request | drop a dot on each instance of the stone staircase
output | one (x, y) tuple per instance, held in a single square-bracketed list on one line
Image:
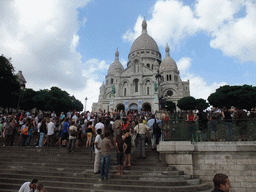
[(61, 171)]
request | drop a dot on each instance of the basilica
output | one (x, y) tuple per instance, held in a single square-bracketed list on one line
[(136, 86)]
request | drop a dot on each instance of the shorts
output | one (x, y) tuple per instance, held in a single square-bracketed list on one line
[(89, 135), (120, 158)]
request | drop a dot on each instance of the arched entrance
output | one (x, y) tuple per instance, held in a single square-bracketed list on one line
[(120, 107), (133, 107), (146, 107)]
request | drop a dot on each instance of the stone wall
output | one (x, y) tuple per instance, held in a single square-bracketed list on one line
[(205, 159)]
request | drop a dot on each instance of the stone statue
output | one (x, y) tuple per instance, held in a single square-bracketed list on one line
[(113, 91), (156, 86)]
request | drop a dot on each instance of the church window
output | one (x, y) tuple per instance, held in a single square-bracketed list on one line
[(152, 67), (148, 65), (142, 52), (147, 90), (136, 85), (125, 92), (112, 81), (170, 77), (167, 77), (153, 53)]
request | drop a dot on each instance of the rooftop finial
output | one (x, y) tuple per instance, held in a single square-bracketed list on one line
[(144, 26), (167, 50), (117, 55)]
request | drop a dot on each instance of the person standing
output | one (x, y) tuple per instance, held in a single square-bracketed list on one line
[(228, 122), (241, 122), (100, 125), (105, 159), (153, 135), (43, 132), (117, 127), (72, 137), (50, 133), (120, 149), (221, 183), (98, 145), (141, 130)]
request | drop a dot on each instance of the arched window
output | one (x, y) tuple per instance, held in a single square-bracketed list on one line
[(148, 65), (136, 85), (112, 81), (170, 77), (124, 92), (167, 77)]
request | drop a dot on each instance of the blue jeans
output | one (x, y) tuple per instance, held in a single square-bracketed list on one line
[(41, 139), (141, 145), (71, 144), (104, 167), (153, 140)]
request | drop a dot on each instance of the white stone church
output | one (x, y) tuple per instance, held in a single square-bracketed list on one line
[(136, 86)]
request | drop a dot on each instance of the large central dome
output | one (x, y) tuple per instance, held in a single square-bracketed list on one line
[(144, 41)]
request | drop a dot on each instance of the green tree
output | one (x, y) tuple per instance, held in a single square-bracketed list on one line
[(244, 96), (187, 103), (169, 106), (56, 100), (9, 84), (26, 101), (201, 104)]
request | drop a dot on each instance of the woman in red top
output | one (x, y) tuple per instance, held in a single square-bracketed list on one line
[(191, 122)]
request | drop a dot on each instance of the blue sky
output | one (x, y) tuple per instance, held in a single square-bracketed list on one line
[(70, 44)]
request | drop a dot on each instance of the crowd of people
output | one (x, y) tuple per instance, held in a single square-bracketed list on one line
[(99, 131)]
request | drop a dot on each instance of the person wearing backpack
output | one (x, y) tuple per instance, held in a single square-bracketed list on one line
[(155, 130)]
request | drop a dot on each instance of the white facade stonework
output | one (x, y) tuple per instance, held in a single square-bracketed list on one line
[(204, 159), (135, 84)]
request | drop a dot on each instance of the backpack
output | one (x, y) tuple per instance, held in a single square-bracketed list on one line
[(156, 129)]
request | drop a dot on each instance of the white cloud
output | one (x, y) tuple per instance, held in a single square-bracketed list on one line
[(238, 37), (234, 34), (41, 37), (184, 63), (198, 86)]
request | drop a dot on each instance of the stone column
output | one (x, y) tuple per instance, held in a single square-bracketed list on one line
[(178, 154)]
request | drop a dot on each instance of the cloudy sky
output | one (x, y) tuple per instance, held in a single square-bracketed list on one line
[(70, 44)]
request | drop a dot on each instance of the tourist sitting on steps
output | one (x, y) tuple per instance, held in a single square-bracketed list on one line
[(29, 186)]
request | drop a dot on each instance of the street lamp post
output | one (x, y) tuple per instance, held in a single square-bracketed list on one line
[(85, 104), (159, 79)]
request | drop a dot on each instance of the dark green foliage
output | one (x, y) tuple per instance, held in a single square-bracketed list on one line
[(56, 100), (201, 104), (244, 96), (9, 85), (187, 103), (169, 106), (26, 101)]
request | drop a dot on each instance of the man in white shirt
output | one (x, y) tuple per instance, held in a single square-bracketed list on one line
[(98, 143), (100, 125), (29, 186), (75, 118), (50, 133)]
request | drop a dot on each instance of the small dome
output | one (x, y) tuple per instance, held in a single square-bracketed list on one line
[(168, 64), (116, 66), (144, 41)]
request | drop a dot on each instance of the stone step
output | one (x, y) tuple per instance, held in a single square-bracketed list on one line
[(103, 185), (63, 171)]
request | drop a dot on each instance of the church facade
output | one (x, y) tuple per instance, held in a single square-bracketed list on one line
[(136, 86)]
